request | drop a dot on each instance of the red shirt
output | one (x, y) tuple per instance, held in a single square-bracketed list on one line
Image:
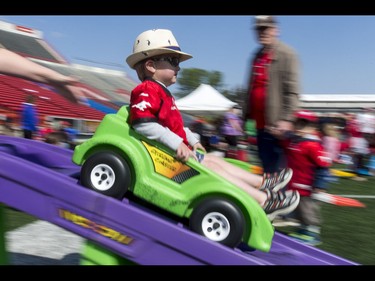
[(152, 102), (304, 155), (258, 91)]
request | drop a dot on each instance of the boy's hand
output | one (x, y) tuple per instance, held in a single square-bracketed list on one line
[(183, 153), (199, 146)]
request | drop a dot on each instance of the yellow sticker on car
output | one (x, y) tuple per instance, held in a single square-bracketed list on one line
[(164, 163)]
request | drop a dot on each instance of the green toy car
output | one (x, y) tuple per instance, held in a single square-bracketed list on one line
[(117, 161)]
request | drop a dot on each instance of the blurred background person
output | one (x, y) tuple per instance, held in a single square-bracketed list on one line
[(72, 133), (273, 93), (232, 126), (46, 128), (6, 127), (359, 150), (58, 136), (366, 121), (231, 129), (52, 138), (366, 125), (331, 141), (29, 117), (310, 164), (205, 132), (251, 134)]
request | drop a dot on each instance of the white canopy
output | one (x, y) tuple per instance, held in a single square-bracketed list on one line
[(204, 98)]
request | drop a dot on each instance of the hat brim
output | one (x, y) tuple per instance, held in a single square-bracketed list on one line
[(265, 25), (133, 59)]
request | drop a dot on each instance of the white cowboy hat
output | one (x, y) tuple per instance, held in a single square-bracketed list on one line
[(265, 21), (153, 43)]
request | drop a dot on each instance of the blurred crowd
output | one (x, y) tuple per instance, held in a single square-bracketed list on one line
[(60, 133), (349, 138), (357, 140)]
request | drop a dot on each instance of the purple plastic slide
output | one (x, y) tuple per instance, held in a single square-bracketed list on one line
[(40, 179)]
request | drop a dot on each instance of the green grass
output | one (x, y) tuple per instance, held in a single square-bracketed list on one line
[(347, 232), (15, 218)]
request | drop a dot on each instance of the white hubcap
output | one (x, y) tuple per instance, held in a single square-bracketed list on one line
[(102, 177), (215, 226)]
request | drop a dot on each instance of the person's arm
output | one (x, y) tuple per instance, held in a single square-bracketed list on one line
[(192, 140), (16, 65), (291, 85), (155, 131)]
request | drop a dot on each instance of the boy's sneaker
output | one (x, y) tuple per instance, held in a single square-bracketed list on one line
[(306, 237), (280, 203), (275, 182), (284, 221)]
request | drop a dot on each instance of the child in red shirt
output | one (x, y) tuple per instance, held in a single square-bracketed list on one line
[(310, 163), (153, 113)]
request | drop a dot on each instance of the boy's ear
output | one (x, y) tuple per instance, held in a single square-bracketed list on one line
[(150, 65)]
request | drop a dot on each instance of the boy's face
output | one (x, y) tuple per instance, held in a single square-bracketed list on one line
[(166, 68)]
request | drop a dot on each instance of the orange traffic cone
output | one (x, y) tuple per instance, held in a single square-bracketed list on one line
[(337, 200)]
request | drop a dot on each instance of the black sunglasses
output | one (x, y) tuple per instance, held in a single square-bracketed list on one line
[(174, 61)]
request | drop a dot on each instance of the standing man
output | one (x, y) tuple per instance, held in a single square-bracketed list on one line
[(273, 93)]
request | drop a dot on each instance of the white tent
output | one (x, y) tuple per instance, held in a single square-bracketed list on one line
[(202, 99)]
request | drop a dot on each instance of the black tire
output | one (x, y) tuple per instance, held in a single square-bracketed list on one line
[(107, 173), (218, 220)]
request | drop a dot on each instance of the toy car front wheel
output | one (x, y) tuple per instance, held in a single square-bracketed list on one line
[(107, 173), (219, 220)]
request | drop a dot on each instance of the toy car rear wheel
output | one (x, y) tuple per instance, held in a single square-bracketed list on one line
[(107, 173), (219, 220)]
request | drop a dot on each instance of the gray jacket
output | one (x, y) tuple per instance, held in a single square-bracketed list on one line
[(283, 87)]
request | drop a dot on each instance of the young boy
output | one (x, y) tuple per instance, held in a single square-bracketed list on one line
[(310, 162), (153, 113)]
